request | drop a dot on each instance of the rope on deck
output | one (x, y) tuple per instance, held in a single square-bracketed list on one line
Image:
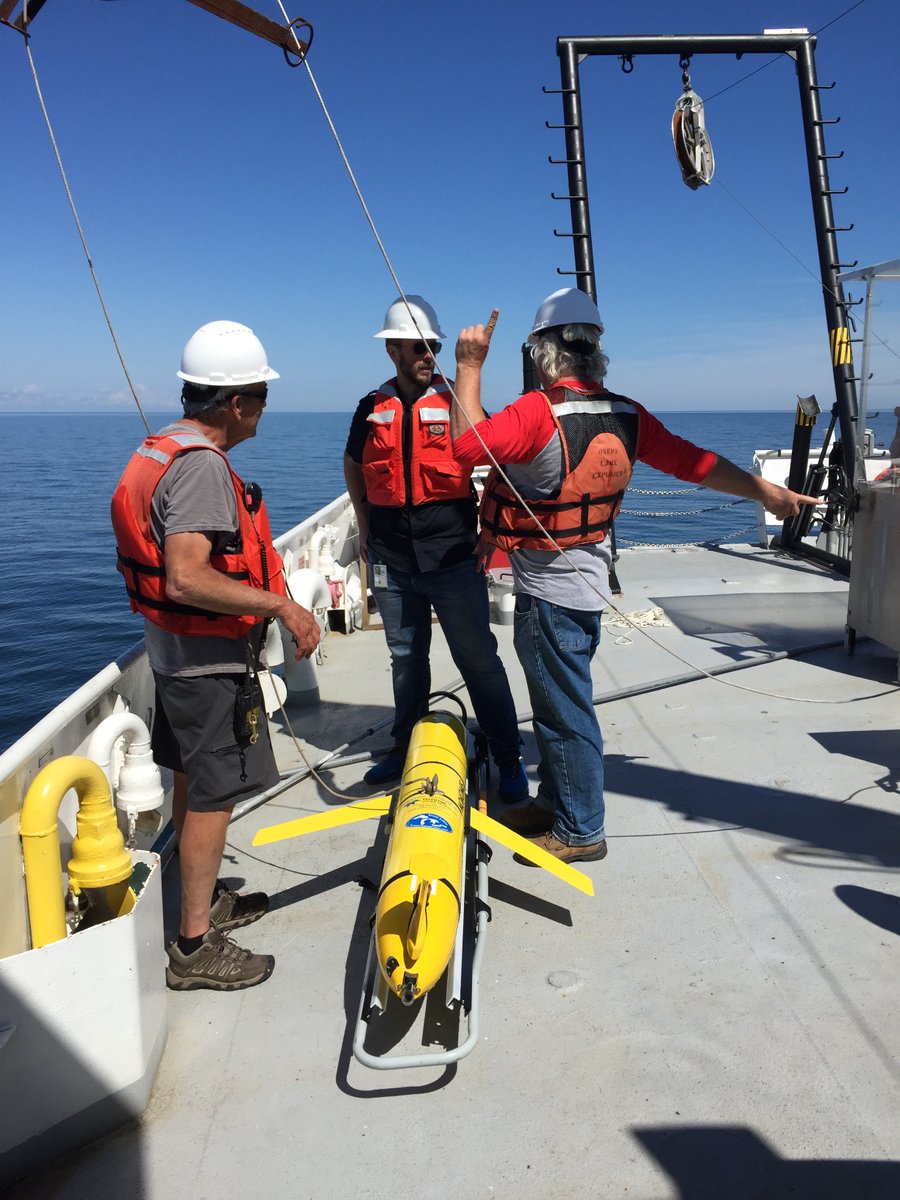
[(643, 618)]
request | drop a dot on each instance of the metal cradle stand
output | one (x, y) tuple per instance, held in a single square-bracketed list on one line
[(462, 976)]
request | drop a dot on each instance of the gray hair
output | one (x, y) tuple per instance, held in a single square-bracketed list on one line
[(569, 350), (204, 400)]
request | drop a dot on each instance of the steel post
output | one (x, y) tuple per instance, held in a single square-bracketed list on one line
[(575, 167), (829, 261)]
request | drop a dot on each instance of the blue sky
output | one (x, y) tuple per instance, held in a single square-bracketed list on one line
[(209, 186)]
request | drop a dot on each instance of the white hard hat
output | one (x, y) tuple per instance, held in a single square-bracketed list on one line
[(403, 316), (223, 353), (568, 306)]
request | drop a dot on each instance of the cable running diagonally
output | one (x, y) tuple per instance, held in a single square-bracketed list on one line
[(78, 226), (490, 456), (740, 202), (400, 290), (756, 70)]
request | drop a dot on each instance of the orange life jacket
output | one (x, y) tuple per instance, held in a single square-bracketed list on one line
[(256, 564), (598, 432), (429, 471)]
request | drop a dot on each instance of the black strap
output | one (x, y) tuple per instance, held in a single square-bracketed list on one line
[(142, 568)]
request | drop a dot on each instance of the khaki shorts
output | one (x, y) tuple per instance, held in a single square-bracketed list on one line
[(193, 732)]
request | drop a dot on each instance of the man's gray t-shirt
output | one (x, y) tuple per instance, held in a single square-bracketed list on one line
[(196, 495)]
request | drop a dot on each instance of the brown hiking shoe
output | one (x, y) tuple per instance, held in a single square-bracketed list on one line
[(220, 963), (528, 819), (231, 910), (567, 854)]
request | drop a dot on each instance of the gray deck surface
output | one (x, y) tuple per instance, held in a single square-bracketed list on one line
[(719, 1021)]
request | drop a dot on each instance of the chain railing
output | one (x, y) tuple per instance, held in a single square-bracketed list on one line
[(623, 540)]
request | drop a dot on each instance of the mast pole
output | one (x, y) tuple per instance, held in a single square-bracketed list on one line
[(575, 167), (836, 308)]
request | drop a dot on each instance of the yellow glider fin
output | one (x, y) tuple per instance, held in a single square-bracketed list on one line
[(540, 858), (360, 810)]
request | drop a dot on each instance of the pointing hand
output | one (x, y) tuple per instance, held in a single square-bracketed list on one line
[(475, 340)]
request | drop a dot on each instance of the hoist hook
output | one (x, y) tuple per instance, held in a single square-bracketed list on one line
[(297, 55), (684, 62), (692, 145)]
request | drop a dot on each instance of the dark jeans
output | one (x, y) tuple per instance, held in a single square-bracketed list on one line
[(459, 597), (555, 646)]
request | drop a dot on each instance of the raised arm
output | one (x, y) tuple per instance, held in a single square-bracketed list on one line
[(471, 350)]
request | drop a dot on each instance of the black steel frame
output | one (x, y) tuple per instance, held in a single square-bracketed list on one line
[(801, 47)]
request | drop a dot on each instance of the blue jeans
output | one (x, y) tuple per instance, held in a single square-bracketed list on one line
[(555, 646), (459, 597)]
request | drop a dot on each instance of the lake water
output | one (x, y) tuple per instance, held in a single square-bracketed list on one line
[(63, 612)]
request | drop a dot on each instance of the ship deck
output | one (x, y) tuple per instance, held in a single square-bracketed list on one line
[(718, 1021)]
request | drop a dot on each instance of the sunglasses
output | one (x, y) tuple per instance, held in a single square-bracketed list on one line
[(422, 347), (260, 396)]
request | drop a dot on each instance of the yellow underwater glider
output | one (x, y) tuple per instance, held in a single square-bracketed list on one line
[(417, 928)]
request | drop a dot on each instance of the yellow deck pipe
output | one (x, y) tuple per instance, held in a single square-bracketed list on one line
[(99, 858)]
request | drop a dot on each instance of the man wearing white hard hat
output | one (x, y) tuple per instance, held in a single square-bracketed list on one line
[(195, 549), (568, 450), (417, 521)]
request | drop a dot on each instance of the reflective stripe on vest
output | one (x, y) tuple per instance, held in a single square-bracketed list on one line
[(427, 461), (577, 407), (591, 491), (255, 564)]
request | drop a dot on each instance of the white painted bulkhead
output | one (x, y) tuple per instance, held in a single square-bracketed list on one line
[(82, 1029)]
